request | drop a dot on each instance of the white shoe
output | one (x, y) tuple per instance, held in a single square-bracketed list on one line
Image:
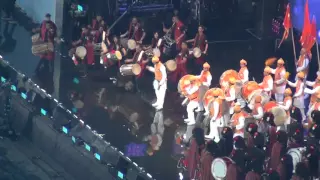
[(199, 110), (155, 104), (191, 123), (209, 137), (159, 107), (186, 120)]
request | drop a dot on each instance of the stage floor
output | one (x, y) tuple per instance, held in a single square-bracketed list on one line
[(97, 111)]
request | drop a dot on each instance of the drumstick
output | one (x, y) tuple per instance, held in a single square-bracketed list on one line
[(103, 36)]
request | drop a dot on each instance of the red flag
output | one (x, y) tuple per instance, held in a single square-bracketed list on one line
[(312, 37), (306, 24), (286, 24)]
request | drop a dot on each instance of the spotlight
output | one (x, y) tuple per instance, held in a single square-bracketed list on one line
[(319, 33), (77, 140)]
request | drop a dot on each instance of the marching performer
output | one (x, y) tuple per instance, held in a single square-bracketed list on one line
[(217, 118), (315, 88), (267, 83), (140, 58), (257, 110), (244, 77), (178, 31), (231, 94), (205, 78), (279, 80), (181, 60), (192, 91), (303, 61), (44, 28), (299, 93), (135, 31), (238, 120), (287, 104), (159, 83)]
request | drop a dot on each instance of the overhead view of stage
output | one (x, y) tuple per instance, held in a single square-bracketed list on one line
[(119, 108)]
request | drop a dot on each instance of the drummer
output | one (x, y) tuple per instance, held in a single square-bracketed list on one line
[(135, 31), (315, 88), (139, 57), (115, 45), (192, 89), (231, 93), (45, 26), (257, 111), (243, 75), (96, 22), (205, 79), (267, 83), (181, 60), (287, 104), (238, 120), (279, 80), (156, 42), (178, 30), (200, 41)]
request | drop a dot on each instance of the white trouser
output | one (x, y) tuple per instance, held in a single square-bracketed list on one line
[(241, 101), (160, 93), (299, 103), (214, 131), (279, 93), (192, 105), (203, 89)]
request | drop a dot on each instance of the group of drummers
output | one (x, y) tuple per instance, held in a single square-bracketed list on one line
[(249, 133)]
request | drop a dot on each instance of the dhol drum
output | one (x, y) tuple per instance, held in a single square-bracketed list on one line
[(196, 52), (182, 81), (35, 38), (81, 52), (42, 48), (128, 43), (171, 65), (130, 69), (224, 78), (258, 92), (279, 113), (296, 154), (248, 88), (113, 57), (207, 98), (219, 167)]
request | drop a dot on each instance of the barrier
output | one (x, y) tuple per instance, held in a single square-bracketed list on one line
[(57, 131)]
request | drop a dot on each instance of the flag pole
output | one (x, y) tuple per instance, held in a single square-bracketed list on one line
[(293, 45), (318, 54)]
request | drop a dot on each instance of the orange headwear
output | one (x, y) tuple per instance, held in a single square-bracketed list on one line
[(215, 93), (318, 95), (206, 65), (242, 61), (288, 92), (301, 75), (155, 59), (258, 99), (267, 69), (280, 61), (232, 80)]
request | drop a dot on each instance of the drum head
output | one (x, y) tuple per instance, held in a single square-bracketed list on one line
[(171, 65), (81, 51), (156, 52), (208, 96), (269, 105), (224, 78), (132, 44), (280, 115), (51, 47), (219, 168), (197, 52), (136, 69), (296, 156), (118, 55), (248, 88), (182, 81)]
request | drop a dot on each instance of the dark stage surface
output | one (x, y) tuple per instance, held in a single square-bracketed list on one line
[(97, 113)]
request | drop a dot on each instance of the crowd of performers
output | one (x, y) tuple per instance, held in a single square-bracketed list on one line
[(245, 133), (254, 130)]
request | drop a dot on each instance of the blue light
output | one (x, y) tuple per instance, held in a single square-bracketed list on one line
[(43, 112), (73, 139), (76, 80), (74, 110), (14, 88), (3, 80), (23, 95), (319, 33), (120, 175), (80, 8), (97, 156), (65, 130), (88, 148)]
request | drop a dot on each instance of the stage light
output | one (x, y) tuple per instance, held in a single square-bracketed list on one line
[(74, 110), (77, 140), (24, 96), (14, 88), (43, 112), (120, 175), (180, 176), (87, 147), (319, 33), (3, 80), (76, 80), (97, 156), (65, 130)]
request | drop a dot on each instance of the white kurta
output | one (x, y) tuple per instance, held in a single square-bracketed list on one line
[(209, 79), (215, 123), (287, 107), (245, 76), (280, 89), (240, 126), (160, 87), (298, 96)]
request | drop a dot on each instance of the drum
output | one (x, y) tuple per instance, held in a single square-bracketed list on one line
[(224, 78), (182, 81), (130, 69), (296, 154), (81, 52), (219, 167), (35, 38), (259, 92), (196, 52), (131, 44), (113, 57), (248, 88), (269, 105), (208, 97), (124, 42), (171, 65), (42, 48), (280, 115)]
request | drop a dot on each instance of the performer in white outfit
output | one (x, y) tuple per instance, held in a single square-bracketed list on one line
[(244, 77), (205, 78), (303, 61), (230, 94), (287, 104), (279, 80), (159, 83), (313, 92), (238, 120), (267, 83), (192, 90), (217, 118), (299, 93)]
